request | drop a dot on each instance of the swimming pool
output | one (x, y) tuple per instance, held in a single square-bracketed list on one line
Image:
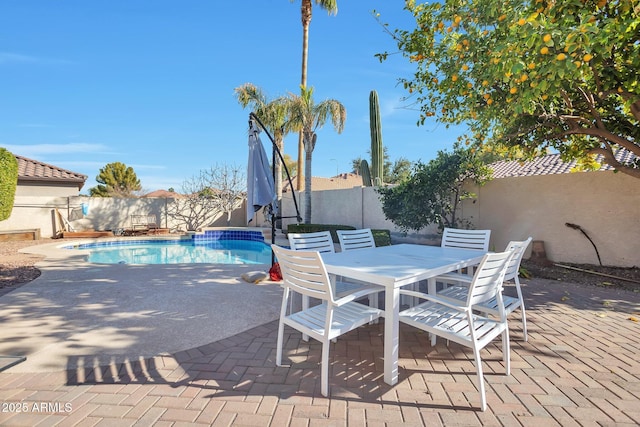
[(211, 247)]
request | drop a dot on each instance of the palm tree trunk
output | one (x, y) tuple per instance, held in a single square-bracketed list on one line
[(305, 11), (308, 148), (278, 168)]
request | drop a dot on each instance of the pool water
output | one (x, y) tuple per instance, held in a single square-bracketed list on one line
[(178, 252)]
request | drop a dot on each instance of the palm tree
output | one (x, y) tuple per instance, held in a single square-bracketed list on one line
[(273, 115), (331, 6), (306, 116)]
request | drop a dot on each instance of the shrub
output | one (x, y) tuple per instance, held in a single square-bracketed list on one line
[(8, 182), (312, 228), (381, 237)]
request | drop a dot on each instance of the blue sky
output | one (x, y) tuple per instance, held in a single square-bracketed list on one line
[(150, 83)]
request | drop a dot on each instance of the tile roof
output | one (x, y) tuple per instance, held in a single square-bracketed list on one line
[(30, 170), (164, 193), (342, 181), (548, 165)]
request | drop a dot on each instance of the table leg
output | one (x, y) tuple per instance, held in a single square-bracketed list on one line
[(391, 335)]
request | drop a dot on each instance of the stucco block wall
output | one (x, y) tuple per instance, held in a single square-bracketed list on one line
[(605, 204), (103, 213)]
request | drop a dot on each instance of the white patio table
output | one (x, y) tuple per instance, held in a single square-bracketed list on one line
[(394, 267)]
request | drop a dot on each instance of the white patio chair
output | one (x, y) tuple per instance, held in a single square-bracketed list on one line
[(358, 239), (466, 239), (355, 239), (463, 239), (304, 272), (511, 303), (322, 242), (456, 320)]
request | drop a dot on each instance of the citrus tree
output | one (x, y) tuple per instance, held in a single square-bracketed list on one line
[(526, 75)]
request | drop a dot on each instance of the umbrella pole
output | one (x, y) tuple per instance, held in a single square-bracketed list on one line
[(273, 215), (275, 151)]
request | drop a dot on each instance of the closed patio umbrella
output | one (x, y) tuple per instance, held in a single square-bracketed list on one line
[(260, 186)]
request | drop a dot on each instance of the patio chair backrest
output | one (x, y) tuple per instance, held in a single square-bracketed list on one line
[(466, 239), (518, 249), (355, 239), (320, 241), (487, 280), (304, 272)]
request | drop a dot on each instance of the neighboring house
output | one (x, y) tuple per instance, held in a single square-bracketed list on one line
[(165, 194), (344, 180), (41, 190), (36, 178)]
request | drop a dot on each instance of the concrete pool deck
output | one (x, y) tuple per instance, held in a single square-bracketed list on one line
[(580, 367), (77, 313)]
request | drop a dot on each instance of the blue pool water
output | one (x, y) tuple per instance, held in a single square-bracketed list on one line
[(201, 249)]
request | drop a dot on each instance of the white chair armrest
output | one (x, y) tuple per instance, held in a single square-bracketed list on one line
[(357, 294), (454, 304), (457, 277)]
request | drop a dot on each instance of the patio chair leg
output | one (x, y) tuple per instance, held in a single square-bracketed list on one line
[(480, 377), (324, 370), (524, 314)]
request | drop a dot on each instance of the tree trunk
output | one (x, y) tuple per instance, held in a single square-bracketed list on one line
[(278, 168), (308, 148), (305, 12)]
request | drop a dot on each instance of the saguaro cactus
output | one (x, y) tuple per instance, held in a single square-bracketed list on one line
[(377, 155), (365, 173)]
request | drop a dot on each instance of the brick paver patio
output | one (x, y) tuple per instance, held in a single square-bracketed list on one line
[(580, 368)]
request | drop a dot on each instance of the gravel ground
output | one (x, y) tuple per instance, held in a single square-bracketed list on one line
[(18, 268)]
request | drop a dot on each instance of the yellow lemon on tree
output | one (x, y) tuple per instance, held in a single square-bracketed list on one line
[(454, 78), (465, 67), (513, 90), (561, 57), (531, 66), (521, 21), (588, 57), (544, 50), (485, 83), (489, 101), (546, 38)]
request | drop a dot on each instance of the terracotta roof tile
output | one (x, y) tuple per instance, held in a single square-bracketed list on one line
[(164, 193), (547, 165), (33, 170)]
